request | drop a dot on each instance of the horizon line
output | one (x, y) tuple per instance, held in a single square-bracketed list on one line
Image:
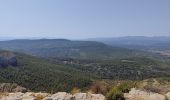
[(7, 38)]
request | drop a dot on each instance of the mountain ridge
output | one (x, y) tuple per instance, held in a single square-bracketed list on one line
[(67, 49)]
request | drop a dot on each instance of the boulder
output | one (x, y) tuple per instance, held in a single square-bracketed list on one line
[(13, 96), (80, 96), (88, 96), (47, 96), (11, 87), (24, 96), (29, 98), (96, 97), (168, 95), (60, 96), (77, 96), (135, 94), (19, 89), (39, 95)]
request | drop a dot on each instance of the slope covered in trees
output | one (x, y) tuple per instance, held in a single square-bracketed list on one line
[(53, 75), (133, 68), (40, 75)]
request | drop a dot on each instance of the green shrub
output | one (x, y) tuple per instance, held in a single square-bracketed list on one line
[(126, 86), (115, 94)]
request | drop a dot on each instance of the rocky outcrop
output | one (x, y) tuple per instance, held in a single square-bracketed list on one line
[(7, 58), (60, 96), (17, 96), (88, 96), (168, 95), (77, 96), (11, 87), (135, 94), (46, 96)]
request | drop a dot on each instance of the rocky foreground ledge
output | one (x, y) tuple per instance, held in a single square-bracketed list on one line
[(134, 94), (47, 96)]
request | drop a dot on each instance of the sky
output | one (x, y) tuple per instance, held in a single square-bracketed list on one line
[(80, 19)]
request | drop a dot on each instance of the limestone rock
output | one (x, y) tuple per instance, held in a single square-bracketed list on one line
[(143, 95), (34, 96), (77, 96), (19, 89), (47, 96), (60, 96), (168, 95), (96, 97), (29, 98), (80, 96), (13, 96), (88, 96), (11, 87)]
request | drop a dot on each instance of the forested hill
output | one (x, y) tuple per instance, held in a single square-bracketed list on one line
[(62, 48), (39, 75)]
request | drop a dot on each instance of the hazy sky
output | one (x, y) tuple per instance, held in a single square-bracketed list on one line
[(84, 18)]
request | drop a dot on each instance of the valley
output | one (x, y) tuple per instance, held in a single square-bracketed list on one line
[(59, 65)]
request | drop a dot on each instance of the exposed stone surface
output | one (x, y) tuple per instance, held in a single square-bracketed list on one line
[(19, 89), (56, 96), (168, 95), (11, 87), (24, 96), (77, 96), (88, 96), (143, 95), (12, 96), (80, 96), (134, 94), (60, 96)]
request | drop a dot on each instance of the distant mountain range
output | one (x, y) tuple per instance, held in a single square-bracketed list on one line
[(63, 48), (137, 42)]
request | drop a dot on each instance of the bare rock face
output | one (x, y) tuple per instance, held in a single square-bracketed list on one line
[(24, 96), (77, 96), (11, 87), (47, 96), (60, 96), (7, 58), (13, 96), (143, 95), (88, 96), (80, 96), (168, 95), (34, 96)]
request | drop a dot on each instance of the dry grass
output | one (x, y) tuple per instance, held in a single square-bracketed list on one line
[(3, 94), (75, 90)]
